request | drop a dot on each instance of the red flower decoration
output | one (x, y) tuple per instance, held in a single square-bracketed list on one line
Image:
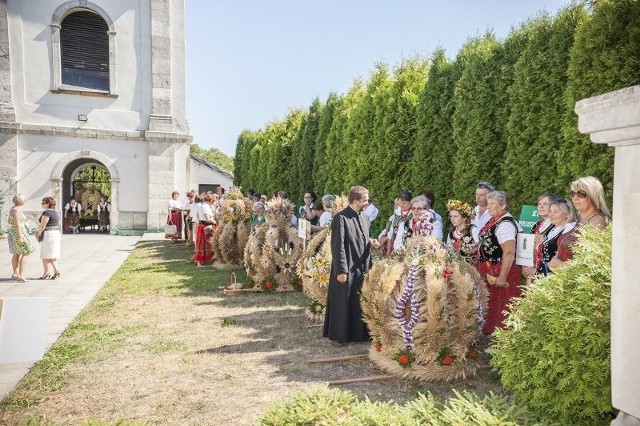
[(378, 346), (268, 285), (403, 359), (447, 360), (473, 354), (448, 271)]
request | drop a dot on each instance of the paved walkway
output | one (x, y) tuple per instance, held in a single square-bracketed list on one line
[(87, 262)]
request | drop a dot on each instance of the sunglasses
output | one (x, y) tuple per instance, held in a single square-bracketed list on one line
[(484, 185), (579, 194)]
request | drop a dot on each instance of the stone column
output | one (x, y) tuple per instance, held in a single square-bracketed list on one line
[(614, 119), (115, 205), (161, 119), (8, 127)]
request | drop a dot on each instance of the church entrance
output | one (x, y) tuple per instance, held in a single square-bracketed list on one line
[(88, 182)]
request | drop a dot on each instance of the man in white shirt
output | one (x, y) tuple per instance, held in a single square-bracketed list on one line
[(481, 215)]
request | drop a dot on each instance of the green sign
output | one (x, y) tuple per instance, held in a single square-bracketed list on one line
[(528, 218)]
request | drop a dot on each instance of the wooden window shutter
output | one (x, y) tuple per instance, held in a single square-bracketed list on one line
[(84, 44)]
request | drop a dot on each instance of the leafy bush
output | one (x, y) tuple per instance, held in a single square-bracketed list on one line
[(333, 406), (555, 352)]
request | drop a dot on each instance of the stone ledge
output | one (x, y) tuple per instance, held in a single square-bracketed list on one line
[(612, 118)]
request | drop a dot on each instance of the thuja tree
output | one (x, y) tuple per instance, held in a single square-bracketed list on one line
[(304, 151), (537, 103), (604, 57), (365, 127), (479, 153), (431, 164), (240, 160), (255, 171), (394, 148), (336, 162), (324, 125), (554, 356)]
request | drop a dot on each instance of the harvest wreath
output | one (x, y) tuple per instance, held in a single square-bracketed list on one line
[(424, 307)]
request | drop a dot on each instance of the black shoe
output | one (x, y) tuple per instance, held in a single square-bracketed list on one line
[(45, 277)]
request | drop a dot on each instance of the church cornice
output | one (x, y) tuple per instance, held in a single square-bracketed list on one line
[(89, 133)]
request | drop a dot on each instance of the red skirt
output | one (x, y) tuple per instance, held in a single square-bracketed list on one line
[(203, 251), (499, 297), (175, 217)]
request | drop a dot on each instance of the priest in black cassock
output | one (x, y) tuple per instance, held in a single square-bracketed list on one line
[(351, 258)]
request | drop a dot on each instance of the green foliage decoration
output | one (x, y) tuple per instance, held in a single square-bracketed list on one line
[(553, 355), (324, 406)]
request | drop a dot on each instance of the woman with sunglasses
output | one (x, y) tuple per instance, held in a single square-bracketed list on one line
[(587, 196)]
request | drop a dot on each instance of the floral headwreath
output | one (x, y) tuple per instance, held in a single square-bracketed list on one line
[(460, 206)]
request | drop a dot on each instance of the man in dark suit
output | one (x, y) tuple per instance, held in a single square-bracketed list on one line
[(351, 258)]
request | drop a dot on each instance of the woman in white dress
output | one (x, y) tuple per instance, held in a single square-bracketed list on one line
[(48, 234)]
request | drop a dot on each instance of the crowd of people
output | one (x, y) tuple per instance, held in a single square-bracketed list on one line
[(484, 236)]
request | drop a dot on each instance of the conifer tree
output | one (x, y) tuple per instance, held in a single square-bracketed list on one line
[(326, 119), (337, 160), (479, 151), (431, 165), (603, 58), (393, 156), (538, 106)]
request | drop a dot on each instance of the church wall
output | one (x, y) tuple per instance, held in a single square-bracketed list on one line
[(31, 45), (35, 103), (40, 157)]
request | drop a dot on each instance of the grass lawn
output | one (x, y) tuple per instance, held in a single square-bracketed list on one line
[(161, 344)]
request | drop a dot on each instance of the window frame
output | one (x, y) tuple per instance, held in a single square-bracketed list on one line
[(56, 49)]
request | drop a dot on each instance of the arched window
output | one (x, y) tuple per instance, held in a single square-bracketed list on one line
[(83, 49), (84, 46)]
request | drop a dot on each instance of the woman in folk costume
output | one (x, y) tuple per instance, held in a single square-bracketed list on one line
[(587, 196), (423, 222), (541, 231), (496, 256), (72, 212), (175, 214), (203, 251), (563, 218), (461, 237), (392, 237), (104, 210)]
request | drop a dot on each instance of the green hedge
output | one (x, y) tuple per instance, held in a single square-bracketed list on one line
[(501, 111), (554, 354)]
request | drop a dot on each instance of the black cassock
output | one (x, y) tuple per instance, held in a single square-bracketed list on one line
[(351, 254)]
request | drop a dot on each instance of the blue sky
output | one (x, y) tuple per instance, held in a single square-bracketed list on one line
[(250, 61)]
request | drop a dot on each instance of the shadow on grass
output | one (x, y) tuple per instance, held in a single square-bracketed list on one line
[(278, 328)]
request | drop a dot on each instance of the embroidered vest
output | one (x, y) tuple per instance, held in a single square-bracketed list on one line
[(490, 249)]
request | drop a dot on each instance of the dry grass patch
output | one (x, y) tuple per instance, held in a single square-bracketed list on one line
[(160, 344)]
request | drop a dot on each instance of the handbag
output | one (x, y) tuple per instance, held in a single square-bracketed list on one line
[(170, 230)]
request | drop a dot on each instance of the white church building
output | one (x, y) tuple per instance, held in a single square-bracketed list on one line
[(92, 102)]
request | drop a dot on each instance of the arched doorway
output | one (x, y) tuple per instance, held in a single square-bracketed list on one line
[(87, 180)]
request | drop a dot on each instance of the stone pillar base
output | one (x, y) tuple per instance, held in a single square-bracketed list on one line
[(625, 419)]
